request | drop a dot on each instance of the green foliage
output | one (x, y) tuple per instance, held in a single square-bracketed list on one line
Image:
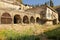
[(12, 35), (54, 34), (51, 3), (9, 34), (27, 34)]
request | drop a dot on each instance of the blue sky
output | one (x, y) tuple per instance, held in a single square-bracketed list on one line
[(34, 2)]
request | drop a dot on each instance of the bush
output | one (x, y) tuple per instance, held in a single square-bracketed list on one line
[(12, 35), (54, 34), (9, 35)]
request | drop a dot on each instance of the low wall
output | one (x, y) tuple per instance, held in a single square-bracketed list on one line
[(16, 27)]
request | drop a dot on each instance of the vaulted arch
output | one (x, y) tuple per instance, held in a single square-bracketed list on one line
[(37, 20), (17, 19), (6, 18), (25, 19), (55, 21), (32, 20)]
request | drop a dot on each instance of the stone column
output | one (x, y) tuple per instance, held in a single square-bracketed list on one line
[(21, 20), (29, 20), (12, 18), (35, 21), (0, 18)]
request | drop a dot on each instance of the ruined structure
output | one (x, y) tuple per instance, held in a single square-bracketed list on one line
[(47, 14), (57, 8), (11, 13)]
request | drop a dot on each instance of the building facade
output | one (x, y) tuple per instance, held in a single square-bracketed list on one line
[(47, 14), (20, 14)]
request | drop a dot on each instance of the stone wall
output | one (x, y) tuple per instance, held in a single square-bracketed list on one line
[(11, 15), (21, 14), (51, 15), (16, 27)]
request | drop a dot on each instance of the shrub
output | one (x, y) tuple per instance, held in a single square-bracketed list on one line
[(12, 35), (54, 34)]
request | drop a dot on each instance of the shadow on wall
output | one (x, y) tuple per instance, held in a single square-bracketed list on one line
[(17, 19), (54, 21)]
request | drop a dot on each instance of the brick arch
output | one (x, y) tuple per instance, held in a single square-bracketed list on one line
[(37, 20), (32, 20), (25, 19), (6, 18), (17, 19)]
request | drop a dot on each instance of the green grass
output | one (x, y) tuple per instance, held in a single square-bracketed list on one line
[(12, 35), (8, 35), (28, 34), (53, 34), (24, 35)]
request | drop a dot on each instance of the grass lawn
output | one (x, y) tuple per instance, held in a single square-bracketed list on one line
[(27, 35), (54, 34)]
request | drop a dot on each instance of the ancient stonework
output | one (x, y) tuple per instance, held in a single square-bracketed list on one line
[(11, 13)]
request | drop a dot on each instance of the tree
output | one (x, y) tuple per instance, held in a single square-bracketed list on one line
[(51, 3), (45, 3)]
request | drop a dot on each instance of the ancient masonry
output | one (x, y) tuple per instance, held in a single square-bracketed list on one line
[(13, 12)]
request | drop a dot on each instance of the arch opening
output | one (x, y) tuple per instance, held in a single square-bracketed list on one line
[(6, 18), (25, 19), (32, 20), (55, 21), (17, 19), (37, 20)]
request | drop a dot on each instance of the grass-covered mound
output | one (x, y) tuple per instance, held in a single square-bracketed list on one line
[(12, 35), (8, 35), (28, 34), (54, 34)]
